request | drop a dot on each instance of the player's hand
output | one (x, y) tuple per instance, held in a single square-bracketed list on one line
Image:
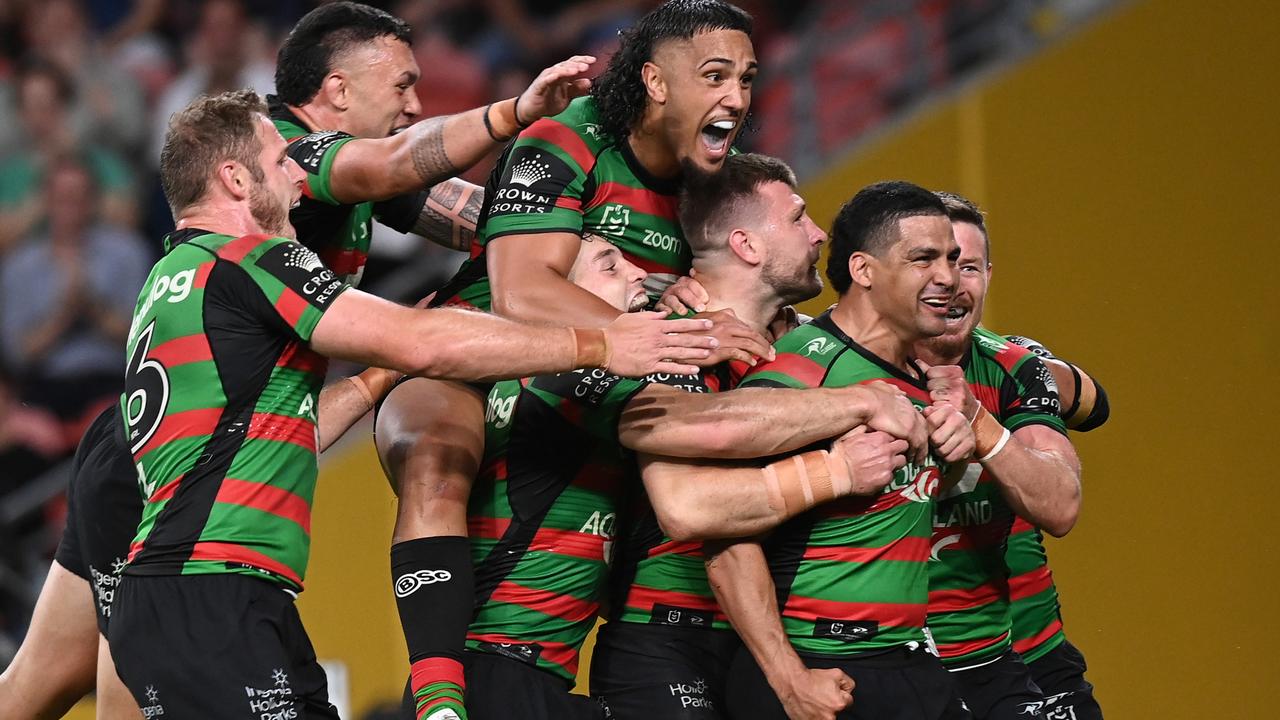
[(871, 456), (891, 411), (685, 295), (949, 432), (737, 341), (817, 694), (551, 91), (947, 384), (643, 343)]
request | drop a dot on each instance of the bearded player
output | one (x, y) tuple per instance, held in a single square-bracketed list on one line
[(990, 579), (1032, 472), (842, 589), (671, 102)]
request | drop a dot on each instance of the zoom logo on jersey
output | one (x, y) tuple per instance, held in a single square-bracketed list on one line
[(302, 271), (309, 150), (850, 630), (409, 583)]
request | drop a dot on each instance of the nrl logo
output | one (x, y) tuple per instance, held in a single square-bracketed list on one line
[(819, 345), (530, 171)]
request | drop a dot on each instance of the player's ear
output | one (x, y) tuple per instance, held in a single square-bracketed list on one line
[(335, 90), (234, 179), (860, 269), (742, 244), (656, 86), (989, 268)]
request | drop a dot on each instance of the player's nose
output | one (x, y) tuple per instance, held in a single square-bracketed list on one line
[(412, 106)]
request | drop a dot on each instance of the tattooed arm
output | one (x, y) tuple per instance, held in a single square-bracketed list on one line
[(450, 214), (438, 148)]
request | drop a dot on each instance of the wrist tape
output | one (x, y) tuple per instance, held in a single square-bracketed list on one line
[(799, 482), (989, 436), (590, 348)]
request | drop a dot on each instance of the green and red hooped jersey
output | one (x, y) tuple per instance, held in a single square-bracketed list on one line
[(565, 174), (851, 575), (542, 514), (969, 617), (339, 233), (657, 580), (220, 403), (1037, 614)]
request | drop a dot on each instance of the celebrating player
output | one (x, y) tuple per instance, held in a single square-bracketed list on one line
[(1032, 472), (225, 359), (838, 595), (671, 102)]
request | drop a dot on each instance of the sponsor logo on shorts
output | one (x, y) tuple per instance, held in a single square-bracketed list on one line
[(153, 708), (692, 695), (681, 617), (848, 630), (526, 653), (1054, 707), (409, 583), (275, 702), (443, 714), (104, 585)]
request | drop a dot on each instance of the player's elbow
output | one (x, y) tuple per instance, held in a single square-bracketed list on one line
[(1064, 516), (679, 520)]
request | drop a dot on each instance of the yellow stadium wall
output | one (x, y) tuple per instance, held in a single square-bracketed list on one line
[(1127, 174)]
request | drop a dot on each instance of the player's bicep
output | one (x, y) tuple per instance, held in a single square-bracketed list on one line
[(519, 264), (357, 170), (365, 328)]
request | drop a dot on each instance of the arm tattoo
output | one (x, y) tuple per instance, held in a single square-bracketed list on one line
[(449, 215), (430, 160)]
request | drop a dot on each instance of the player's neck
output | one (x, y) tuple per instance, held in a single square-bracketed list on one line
[(744, 296), (222, 218), (860, 321), (651, 151), (939, 351), (317, 118)]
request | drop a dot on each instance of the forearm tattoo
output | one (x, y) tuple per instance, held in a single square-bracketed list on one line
[(430, 160), (450, 214)]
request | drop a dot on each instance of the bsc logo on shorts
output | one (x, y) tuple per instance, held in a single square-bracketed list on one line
[(409, 583)]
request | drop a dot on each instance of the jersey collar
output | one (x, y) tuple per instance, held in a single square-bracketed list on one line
[(827, 325)]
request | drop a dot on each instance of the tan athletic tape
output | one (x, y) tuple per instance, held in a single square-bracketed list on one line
[(801, 481), (1084, 404), (987, 432), (590, 348)]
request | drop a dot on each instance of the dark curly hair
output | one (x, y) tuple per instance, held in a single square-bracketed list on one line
[(306, 56), (619, 92)]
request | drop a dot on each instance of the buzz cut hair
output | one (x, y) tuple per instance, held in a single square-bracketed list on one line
[(868, 223), (321, 37), (205, 133), (709, 204), (962, 209)]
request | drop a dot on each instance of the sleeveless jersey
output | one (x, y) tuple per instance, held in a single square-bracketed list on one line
[(851, 574), (659, 580), (339, 233), (565, 174), (220, 405), (969, 615), (541, 516)]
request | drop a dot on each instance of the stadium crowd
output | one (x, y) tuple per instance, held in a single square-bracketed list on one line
[(93, 171)]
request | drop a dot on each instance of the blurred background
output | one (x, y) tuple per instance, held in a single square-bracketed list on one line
[(1125, 152)]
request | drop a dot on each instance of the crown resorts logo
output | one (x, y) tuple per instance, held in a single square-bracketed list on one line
[(301, 257), (530, 171)]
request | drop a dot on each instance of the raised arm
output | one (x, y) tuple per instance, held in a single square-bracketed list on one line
[(465, 345), (740, 578), (439, 147)]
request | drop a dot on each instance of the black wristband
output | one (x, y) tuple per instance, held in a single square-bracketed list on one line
[(515, 112), (488, 126)]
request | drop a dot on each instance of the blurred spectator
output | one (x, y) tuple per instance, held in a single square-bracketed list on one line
[(31, 439), (66, 299), (109, 105), (225, 53), (42, 94)]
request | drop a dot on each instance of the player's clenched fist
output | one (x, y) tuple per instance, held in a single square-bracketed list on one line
[(871, 456), (817, 694), (890, 410), (641, 343), (947, 384), (949, 432)]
